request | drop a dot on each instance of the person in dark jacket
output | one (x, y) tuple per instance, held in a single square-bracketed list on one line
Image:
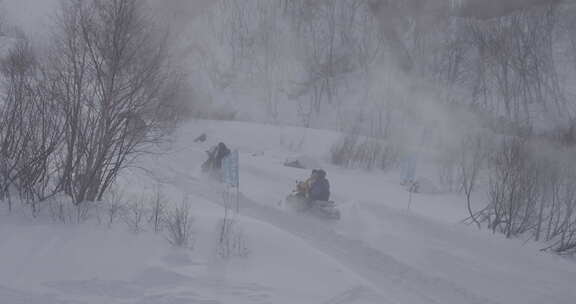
[(215, 156), (221, 152), (319, 187)]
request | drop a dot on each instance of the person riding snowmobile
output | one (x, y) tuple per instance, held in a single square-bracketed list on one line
[(216, 154), (303, 188), (221, 152), (314, 195), (319, 189), (315, 188)]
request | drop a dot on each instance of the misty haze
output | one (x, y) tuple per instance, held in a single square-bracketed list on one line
[(287, 151)]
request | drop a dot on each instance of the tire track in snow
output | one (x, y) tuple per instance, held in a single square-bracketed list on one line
[(395, 280)]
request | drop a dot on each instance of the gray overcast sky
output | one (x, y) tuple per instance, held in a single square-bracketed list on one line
[(31, 15), (34, 15)]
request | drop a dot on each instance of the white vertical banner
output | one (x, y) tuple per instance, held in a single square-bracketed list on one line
[(226, 169), (231, 177), (235, 169), (231, 169)]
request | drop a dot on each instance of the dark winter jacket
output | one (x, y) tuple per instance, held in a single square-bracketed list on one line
[(319, 190), (221, 152), (215, 157)]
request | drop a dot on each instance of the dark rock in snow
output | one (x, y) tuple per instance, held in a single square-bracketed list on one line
[(294, 164), (201, 138), (302, 162)]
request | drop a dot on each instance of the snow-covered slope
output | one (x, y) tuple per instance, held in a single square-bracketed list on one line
[(46, 263), (378, 253)]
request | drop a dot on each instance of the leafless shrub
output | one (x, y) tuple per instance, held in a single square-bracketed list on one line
[(29, 133), (342, 152), (71, 120), (532, 195), (353, 151), (556, 219), (63, 210), (513, 189), (158, 212), (232, 240), (473, 155), (179, 226), (113, 207), (135, 215)]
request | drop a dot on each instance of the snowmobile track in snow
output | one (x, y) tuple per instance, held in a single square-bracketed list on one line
[(396, 281)]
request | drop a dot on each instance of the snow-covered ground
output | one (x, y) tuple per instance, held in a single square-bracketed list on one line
[(46, 263), (378, 253)]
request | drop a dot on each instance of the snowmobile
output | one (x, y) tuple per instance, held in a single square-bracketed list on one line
[(213, 164), (209, 167), (298, 201)]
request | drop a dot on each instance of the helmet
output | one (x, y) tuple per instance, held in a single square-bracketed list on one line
[(321, 173)]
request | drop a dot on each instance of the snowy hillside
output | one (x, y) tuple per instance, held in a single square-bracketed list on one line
[(378, 253), (287, 151)]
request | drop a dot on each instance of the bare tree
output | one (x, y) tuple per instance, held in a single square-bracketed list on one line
[(472, 157), (109, 71), (29, 133), (532, 196)]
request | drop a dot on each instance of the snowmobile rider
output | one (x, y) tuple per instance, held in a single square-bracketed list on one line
[(318, 186), (215, 156), (221, 152), (302, 188), (314, 195)]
